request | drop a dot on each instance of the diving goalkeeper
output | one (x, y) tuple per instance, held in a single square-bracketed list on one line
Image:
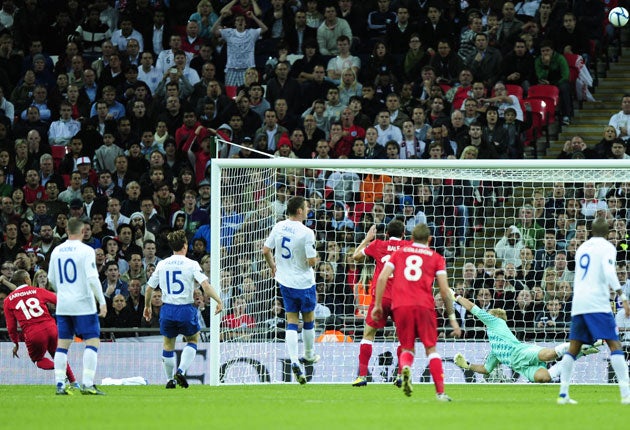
[(526, 359)]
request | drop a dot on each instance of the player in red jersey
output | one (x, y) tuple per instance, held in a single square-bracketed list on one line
[(415, 268), (380, 251), (26, 306)]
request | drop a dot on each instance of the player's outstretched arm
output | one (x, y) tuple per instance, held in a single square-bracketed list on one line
[(461, 362), (467, 304)]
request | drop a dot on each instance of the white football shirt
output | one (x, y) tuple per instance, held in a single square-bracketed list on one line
[(293, 243), (176, 277), (595, 276), (72, 268)]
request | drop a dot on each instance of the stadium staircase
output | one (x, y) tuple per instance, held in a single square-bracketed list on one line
[(588, 122)]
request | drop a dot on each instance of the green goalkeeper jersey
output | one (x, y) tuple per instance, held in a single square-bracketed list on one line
[(502, 340)]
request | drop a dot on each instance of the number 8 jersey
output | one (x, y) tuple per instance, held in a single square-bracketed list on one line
[(176, 277), (415, 269)]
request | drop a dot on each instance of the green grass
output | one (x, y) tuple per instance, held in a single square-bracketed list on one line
[(318, 407)]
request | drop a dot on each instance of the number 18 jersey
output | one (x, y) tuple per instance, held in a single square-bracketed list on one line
[(176, 277), (415, 269)]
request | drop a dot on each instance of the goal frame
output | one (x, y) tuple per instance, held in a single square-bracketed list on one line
[(460, 168)]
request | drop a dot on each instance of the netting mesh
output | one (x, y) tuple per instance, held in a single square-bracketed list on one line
[(509, 236)]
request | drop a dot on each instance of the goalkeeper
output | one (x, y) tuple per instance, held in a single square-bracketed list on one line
[(526, 359)]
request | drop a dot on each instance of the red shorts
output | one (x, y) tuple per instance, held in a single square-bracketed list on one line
[(387, 312), (415, 322), (40, 340)]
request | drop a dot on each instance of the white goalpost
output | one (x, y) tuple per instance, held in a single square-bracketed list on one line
[(472, 208)]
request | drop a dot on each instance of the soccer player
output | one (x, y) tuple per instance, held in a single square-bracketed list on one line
[(414, 269), (176, 277), (73, 274), (525, 359), (380, 251), (591, 315), (292, 266), (26, 306)]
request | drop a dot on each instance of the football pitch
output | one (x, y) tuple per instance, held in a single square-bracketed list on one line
[(322, 407)]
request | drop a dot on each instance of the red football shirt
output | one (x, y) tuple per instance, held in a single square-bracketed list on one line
[(415, 269), (27, 306), (380, 251)]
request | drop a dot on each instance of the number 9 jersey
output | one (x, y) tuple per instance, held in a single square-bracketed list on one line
[(595, 277), (176, 277)]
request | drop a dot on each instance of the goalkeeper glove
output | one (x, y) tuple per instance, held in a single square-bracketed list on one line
[(451, 292), (461, 361)]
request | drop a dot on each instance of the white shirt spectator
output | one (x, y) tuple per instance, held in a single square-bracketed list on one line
[(166, 59), (619, 120), (121, 41), (61, 131), (151, 78), (8, 108), (390, 133), (240, 47)]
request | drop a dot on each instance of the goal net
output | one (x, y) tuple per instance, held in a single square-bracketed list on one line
[(508, 229)]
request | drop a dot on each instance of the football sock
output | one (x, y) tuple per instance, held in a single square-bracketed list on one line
[(291, 340), (566, 370), (406, 359), (45, 363), (561, 349), (437, 371), (308, 336), (90, 355), (619, 364), (365, 353), (188, 355), (554, 371), (168, 364), (61, 362), (398, 352)]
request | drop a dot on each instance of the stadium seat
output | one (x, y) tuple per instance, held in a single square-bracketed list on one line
[(548, 93), (58, 153), (514, 90), (230, 91), (540, 124)]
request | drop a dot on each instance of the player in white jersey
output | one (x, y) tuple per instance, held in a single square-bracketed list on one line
[(591, 315), (176, 278), (73, 274), (292, 267)]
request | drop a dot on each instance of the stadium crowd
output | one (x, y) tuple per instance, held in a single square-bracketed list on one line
[(111, 112)]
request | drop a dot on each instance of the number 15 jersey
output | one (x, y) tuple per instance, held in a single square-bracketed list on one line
[(293, 243), (415, 269), (176, 277)]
